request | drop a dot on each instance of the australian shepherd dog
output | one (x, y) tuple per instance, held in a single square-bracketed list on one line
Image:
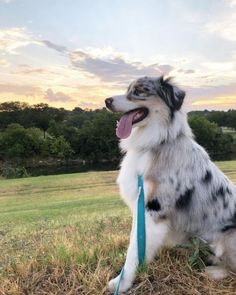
[(185, 193)]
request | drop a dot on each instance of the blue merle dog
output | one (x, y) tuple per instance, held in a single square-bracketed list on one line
[(185, 193)]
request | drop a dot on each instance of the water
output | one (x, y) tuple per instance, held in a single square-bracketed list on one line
[(64, 169), (104, 166)]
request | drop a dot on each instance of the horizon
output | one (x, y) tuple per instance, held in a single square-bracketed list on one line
[(86, 109), (74, 54)]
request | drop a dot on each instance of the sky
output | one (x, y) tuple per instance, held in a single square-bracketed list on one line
[(74, 53)]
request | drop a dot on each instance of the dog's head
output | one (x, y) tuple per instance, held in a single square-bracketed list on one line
[(145, 98)]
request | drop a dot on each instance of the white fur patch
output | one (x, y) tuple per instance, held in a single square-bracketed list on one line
[(216, 272)]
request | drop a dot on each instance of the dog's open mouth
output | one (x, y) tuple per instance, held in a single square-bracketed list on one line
[(124, 126)]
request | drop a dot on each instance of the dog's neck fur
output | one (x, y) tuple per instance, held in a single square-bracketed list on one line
[(166, 131)]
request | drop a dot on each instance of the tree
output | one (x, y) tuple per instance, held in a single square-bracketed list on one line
[(57, 147), (97, 139), (45, 131), (38, 115), (210, 136), (16, 142), (221, 118), (10, 112), (13, 106)]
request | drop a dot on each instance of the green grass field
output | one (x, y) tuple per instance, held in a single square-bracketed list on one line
[(68, 234)]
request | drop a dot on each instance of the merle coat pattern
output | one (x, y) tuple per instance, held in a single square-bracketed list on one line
[(185, 193)]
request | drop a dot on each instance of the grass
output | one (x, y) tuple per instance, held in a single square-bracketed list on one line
[(68, 234)]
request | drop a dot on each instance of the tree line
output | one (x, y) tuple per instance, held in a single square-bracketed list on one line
[(41, 131)]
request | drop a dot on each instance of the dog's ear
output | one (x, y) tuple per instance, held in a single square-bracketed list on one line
[(170, 94)]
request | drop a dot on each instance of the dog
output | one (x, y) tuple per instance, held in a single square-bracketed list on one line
[(185, 193)]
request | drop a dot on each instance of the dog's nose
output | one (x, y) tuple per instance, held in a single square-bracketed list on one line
[(109, 101)]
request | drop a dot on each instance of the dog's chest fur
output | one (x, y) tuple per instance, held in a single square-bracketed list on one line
[(181, 184)]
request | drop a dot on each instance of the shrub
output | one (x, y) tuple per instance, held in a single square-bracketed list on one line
[(14, 172), (57, 147)]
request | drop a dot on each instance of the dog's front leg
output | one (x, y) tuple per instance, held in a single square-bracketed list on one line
[(131, 263), (156, 233)]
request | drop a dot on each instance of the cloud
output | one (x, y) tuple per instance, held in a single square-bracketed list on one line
[(57, 96), (231, 3), (116, 67), (225, 27), (103, 63), (20, 89), (202, 77), (13, 38), (54, 46), (6, 1), (4, 63), (219, 90), (34, 71), (219, 100), (223, 96), (28, 70), (90, 105), (189, 71), (219, 66)]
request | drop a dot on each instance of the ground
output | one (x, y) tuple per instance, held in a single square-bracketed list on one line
[(68, 234)]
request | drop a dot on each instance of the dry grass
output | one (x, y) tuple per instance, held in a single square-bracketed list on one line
[(68, 235)]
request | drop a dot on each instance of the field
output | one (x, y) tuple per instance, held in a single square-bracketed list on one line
[(68, 234)]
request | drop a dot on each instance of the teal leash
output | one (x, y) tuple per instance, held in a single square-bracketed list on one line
[(141, 230)]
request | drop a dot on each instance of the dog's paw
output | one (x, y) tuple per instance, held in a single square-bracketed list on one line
[(124, 284), (216, 272), (213, 260)]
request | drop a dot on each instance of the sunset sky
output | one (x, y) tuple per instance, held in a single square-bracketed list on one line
[(70, 53)]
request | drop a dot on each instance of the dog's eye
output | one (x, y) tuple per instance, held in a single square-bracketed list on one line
[(146, 89), (136, 92)]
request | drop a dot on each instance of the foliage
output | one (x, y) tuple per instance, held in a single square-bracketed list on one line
[(221, 118), (210, 136), (97, 138), (19, 142), (14, 172), (57, 147), (200, 253), (43, 131), (29, 116)]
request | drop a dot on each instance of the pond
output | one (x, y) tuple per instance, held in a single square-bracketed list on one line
[(63, 169)]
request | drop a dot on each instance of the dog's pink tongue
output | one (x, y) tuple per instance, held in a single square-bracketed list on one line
[(124, 127)]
